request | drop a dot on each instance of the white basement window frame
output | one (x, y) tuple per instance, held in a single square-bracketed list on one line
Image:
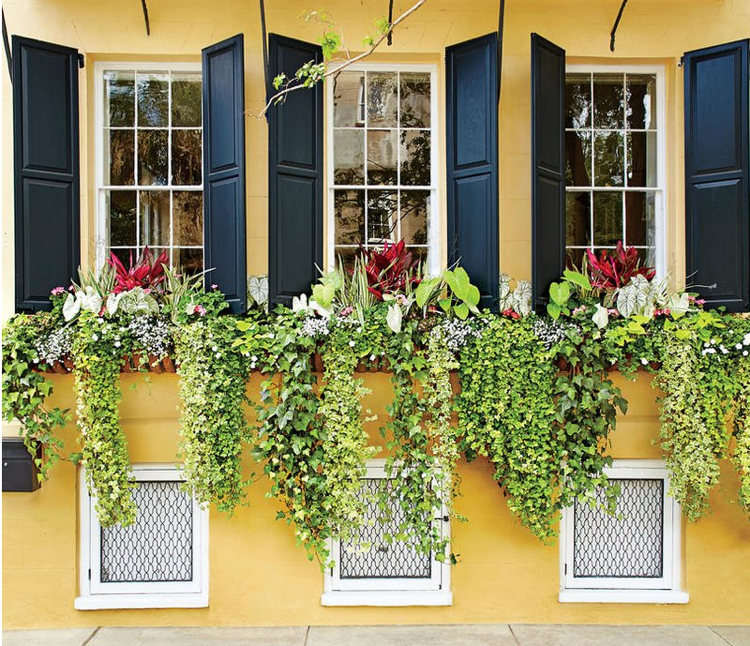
[(96, 594), (664, 585), (432, 245), (432, 590)]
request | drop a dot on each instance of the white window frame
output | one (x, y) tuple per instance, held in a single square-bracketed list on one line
[(95, 595), (666, 589), (660, 190), (101, 218), (435, 591), (433, 217)]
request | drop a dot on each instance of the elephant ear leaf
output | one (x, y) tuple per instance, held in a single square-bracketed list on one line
[(393, 318)]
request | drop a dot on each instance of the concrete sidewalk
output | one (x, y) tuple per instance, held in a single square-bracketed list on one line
[(450, 635)]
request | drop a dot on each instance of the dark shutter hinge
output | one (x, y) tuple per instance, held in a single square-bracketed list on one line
[(89, 574), (681, 62), (81, 61), (566, 568)]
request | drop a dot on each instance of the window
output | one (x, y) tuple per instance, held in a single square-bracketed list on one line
[(613, 171), (150, 162), (382, 186), (389, 573), (633, 557), (161, 561)]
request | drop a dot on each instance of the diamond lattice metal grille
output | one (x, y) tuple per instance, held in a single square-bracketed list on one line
[(158, 547), (395, 560), (627, 547)]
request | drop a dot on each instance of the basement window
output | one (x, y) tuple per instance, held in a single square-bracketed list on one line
[(631, 557), (161, 561), (389, 573)]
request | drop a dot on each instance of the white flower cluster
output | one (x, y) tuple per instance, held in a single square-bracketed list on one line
[(54, 346), (457, 333), (315, 327), (152, 333), (551, 331), (741, 347)]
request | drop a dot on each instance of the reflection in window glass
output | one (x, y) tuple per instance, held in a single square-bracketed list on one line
[(611, 164), (152, 180), (382, 149)]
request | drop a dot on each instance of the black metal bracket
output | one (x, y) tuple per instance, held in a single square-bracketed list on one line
[(81, 61), (145, 17), (616, 25), (6, 43), (390, 22)]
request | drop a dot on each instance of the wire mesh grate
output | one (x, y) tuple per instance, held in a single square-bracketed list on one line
[(630, 546), (395, 560), (158, 547)]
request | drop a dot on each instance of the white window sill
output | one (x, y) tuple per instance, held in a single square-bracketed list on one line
[(388, 598), (127, 601), (623, 596)]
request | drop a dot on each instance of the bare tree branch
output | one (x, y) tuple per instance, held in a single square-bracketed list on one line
[(296, 84)]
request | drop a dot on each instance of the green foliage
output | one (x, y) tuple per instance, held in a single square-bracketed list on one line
[(742, 434)]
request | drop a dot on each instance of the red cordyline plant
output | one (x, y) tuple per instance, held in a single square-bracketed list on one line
[(615, 269), (390, 271), (146, 272)]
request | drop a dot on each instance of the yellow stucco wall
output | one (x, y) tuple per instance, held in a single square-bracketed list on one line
[(257, 575)]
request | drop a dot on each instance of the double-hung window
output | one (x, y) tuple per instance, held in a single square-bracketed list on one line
[(632, 556), (614, 147), (149, 162), (382, 174)]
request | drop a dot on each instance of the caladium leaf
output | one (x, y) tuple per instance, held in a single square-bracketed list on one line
[(600, 317), (394, 317)]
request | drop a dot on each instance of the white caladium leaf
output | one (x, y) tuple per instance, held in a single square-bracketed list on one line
[(257, 289), (113, 301), (679, 304), (393, 318), (71, 307), (299, 303), (600, 317), (90, 300), (504, 292), (522, 298), (316, 307)]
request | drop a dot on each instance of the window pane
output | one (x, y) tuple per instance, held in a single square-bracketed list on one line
[(126, 256), (349, 156), (415, 158), (349, 213), (641, 158), (155, 218), (152, 157), (609, 106), (186, 157), (153, 100), (641, 101), (381, 156), (189, 261), (419, 254), (415, 207), (188, 218), (609, 159), (578, 218), (415, 100), (186, 100), (346, 255), (578, 158), (574, 257), (349, 99), (381, 211), (640, 219), (119, 98), (122, 218), (578, 101), (121, 159), (607, 219), (382, 100)]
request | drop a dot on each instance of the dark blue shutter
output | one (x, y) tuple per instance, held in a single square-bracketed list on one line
[(295, 150), (547, 166), (471, 115), (47, 182), (224, 168), (717, 164)]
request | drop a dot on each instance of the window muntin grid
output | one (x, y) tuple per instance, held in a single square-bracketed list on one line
[(151, 184), (613, 162), (381, 177)]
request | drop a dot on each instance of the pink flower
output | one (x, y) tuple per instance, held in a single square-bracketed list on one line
[(613, 312), (512, 313), (345, 312), (200, 310), (700, 301), (71, 288), (663, 312), (147, 291), (57, 291), (579, 310), (214, 286)]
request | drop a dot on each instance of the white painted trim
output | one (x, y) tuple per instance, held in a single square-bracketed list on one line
[(660, 190), (96, 595), (435, 591), (623, 596), (667, 589), (100, 214), (388, 598), (434, 224)]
